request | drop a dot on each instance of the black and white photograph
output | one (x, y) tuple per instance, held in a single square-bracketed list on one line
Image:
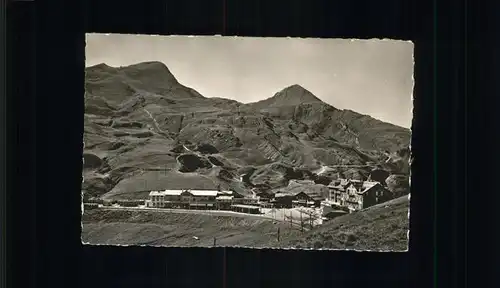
[(212, 141)]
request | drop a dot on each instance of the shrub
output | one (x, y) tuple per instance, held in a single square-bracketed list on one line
[(350, 238), (327, 237), (318, 244)]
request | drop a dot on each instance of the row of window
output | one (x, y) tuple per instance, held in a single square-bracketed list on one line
[(162, 198)]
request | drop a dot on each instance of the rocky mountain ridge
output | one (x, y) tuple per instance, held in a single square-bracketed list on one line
[(144, 130)]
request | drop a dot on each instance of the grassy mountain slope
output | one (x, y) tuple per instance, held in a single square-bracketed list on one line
[(147, 131), (383, 227)]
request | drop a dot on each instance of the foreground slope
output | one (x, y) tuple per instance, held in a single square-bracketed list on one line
[(180, 229), (144, 131), (383, 227)]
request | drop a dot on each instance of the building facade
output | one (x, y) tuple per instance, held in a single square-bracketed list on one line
[(265, 196), (224, 202), (357, 195), (164, 199), (250, 209), (282, 200), (193, 199)]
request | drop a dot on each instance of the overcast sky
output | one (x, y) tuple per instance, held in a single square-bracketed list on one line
[(373, 77)]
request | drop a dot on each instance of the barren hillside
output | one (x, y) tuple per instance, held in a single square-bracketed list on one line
[(144, 130)]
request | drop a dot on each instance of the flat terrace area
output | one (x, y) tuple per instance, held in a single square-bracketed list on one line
[(221, 213), (283, 214), (119, 226)]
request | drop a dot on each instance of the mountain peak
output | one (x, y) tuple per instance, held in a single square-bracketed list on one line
[(295, 94), (295, 87), (289, 96), (150, 65), (100, 67), (151, 69)]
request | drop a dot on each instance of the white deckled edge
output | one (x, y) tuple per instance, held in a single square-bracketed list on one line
[(81, 195), (245, 247), (269, 248), (249, 37), (410, 160), (83, 163)]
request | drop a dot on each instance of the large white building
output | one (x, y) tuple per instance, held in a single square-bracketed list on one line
[(188, 199), (357, 195), (158, 199)]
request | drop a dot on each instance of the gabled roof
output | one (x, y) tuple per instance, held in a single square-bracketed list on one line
[(337, 188), (344, 182), (369, 184), (297, 193), (226, 192), (370, 187), (334, 183), (231, 193), (280, 194), (356, 183), (339, 182), (315, 196), (166, 192), (203, 192)]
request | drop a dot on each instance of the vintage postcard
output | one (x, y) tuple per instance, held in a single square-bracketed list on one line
[(285, 143)]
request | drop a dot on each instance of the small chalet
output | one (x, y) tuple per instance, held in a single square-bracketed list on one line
[(316, 199), (301, 199), (306, 199), (283, 200), (265, 196)]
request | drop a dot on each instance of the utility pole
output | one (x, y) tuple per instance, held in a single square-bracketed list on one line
[(311, 220), (301, 223), (215, 241), (291, 219), (278, 234)]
